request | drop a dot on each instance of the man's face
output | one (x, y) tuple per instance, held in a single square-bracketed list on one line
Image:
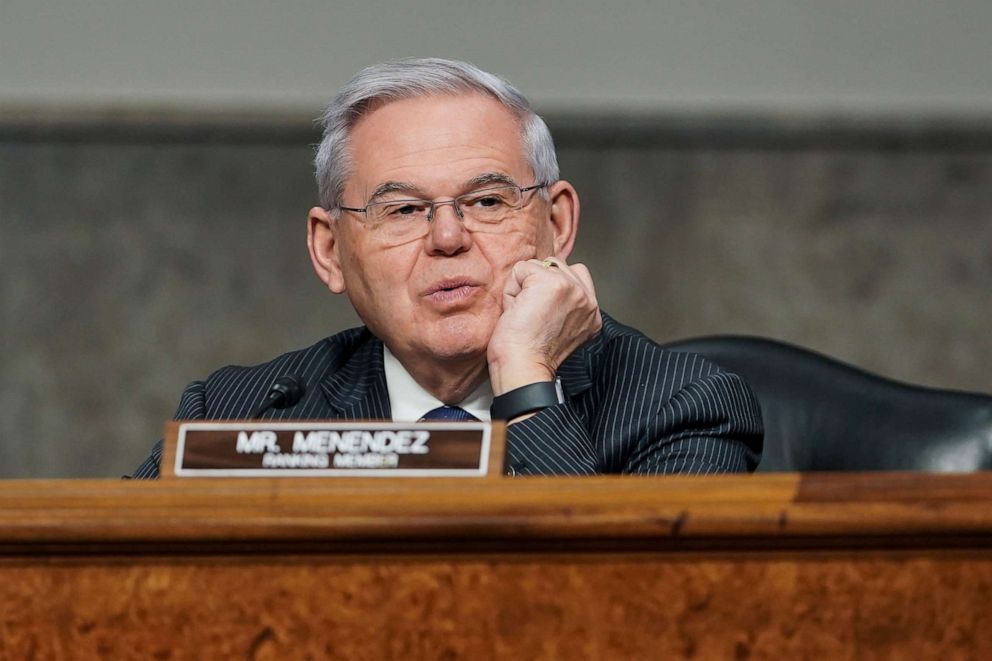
[(436, 298)]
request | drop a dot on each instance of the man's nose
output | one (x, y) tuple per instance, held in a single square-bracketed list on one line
[(447, 234)]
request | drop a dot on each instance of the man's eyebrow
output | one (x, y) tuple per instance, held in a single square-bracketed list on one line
[(396, 187), (490, 178), (478, 181)]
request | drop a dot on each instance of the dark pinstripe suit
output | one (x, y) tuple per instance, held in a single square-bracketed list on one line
[(631, 406)]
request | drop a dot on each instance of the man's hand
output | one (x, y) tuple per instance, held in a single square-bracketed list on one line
[(549, 310)]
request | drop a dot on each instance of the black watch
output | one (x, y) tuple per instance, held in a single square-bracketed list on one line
[(527, 399)]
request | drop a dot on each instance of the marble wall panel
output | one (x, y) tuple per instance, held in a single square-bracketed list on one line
[(129, 267)]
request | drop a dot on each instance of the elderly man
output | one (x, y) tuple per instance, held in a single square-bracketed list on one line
[(444, 220)]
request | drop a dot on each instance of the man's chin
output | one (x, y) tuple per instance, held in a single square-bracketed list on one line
[(461, 351), (456, 340)]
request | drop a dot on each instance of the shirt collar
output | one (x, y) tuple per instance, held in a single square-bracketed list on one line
[(409, 402)]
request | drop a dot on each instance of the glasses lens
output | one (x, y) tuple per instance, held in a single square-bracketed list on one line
[(398, 219), (492, 205)]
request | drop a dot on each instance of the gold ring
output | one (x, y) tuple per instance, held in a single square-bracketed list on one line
[(548, 264)]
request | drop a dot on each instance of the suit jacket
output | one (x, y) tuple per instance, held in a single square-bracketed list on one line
[(631, 406)]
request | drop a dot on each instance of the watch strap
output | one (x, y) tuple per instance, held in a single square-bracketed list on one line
[(527, 399)]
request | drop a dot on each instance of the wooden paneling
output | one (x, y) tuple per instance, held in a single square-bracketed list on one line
[(507, 607), (770, 566)]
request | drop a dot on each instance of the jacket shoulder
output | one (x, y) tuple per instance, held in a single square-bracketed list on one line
[(627, 353), (235, 391)]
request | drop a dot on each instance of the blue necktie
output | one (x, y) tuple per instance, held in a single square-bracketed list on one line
[(451, 413)]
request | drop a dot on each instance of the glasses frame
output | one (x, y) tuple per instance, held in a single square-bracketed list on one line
[(434, 204)]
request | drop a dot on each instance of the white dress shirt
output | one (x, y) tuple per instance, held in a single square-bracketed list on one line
[(409, 402)]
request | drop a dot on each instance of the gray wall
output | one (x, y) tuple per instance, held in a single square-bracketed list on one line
[(780, 56), (134, 261)]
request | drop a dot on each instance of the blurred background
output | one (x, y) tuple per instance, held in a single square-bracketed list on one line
[(815, 172)]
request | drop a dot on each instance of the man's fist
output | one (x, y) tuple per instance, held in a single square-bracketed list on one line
[(549, 310)]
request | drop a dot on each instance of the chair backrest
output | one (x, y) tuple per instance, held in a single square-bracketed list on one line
[(822, 414)]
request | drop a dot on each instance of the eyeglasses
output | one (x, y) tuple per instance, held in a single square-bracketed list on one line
[(398, 220)]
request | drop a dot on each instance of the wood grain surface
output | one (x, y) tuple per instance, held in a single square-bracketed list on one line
[(774, 566)]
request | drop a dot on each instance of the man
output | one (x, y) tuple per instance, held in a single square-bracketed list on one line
[(444, 220)]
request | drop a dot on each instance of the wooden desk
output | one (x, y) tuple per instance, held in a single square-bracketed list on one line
[(766, 566)]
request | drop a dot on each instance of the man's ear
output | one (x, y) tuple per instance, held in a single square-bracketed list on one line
[(563, 205), (322, 242)]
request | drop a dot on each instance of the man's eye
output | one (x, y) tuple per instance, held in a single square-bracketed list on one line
[(486, 201), (403, 210)]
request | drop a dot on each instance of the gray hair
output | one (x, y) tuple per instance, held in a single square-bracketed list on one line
[(409, 78)]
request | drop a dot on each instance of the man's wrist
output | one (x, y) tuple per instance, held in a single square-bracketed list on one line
[(507, 375)]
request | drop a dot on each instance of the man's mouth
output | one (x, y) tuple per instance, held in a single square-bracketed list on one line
[(449, 291)]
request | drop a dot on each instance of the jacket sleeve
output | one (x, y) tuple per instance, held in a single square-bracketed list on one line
[(712, 425), (192, 406), (553, 442)]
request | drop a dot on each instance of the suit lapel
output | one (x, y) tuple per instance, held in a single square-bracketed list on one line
[(577, 370), (357, 389)]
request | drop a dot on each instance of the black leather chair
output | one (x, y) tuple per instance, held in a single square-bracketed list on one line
[(822, 414)]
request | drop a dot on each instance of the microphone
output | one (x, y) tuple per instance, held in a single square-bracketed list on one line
[(283, 393)]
